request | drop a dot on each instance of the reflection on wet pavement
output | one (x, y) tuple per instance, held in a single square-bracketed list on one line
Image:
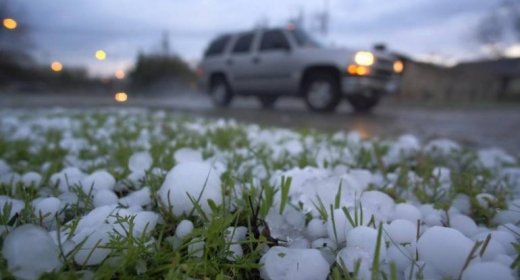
[(491, 126)]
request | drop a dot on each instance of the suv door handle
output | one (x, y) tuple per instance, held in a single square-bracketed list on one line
[(256, 60), (229, 62)]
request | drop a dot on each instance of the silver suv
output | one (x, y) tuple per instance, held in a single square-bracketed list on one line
[(269, 63)]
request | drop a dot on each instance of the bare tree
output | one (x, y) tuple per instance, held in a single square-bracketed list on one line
[(514, 13), (499, 28), (490, 33)]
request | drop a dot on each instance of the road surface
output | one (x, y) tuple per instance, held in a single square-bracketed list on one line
[(475, 126)]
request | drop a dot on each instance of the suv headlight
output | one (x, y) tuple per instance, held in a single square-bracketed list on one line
[(364, 58)]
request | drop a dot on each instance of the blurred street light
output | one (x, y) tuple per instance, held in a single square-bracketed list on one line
[(10, 23), (101, 55), (56, 66), (120, 74), (121, 97)]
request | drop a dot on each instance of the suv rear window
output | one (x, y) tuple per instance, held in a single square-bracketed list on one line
[(217, 46), (274, 40), (243, 44)]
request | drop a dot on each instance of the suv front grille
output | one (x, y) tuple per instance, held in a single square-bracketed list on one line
[(383, 73), (384, 63), (383, 69)]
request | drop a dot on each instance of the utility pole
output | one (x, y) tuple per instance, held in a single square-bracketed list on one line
[(300, 18), (324, 19), (321, 20), (165, 43)]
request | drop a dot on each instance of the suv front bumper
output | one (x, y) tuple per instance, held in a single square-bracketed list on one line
[(351, 85)]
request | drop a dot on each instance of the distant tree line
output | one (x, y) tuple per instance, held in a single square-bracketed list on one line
[(152, 69)]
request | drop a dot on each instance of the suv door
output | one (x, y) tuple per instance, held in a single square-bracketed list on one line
[(239, 63), (275, 62), (214, 57)]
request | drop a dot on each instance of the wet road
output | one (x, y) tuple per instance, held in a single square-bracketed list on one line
[(476, 126)]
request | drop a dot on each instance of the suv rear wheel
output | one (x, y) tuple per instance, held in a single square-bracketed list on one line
[(362, 103), (322, 92), (221, 92), (267, 101)]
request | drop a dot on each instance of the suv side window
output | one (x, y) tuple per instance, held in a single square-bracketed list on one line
[(217, 46), (274, 40), (243, 43)]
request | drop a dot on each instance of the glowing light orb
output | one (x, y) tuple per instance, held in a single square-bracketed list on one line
[(121, 97), (120, 74), (56, 66), (10, 23), (101, 55)]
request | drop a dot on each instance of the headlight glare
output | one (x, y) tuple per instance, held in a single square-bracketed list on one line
[(398, 66), (364, 58), (356, 70)]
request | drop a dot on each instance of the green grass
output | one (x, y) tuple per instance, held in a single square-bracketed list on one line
[(248, 196)]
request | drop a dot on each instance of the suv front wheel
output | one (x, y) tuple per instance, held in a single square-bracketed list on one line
[(322, 92), (221, 92)]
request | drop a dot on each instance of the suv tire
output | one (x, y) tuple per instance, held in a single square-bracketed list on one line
[(267, 101), (363, 104), (221, 93), (322, 93)]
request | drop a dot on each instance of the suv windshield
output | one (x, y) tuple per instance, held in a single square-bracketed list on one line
[(303, 39)]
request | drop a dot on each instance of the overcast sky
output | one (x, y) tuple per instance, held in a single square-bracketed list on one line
[(72, 30)]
